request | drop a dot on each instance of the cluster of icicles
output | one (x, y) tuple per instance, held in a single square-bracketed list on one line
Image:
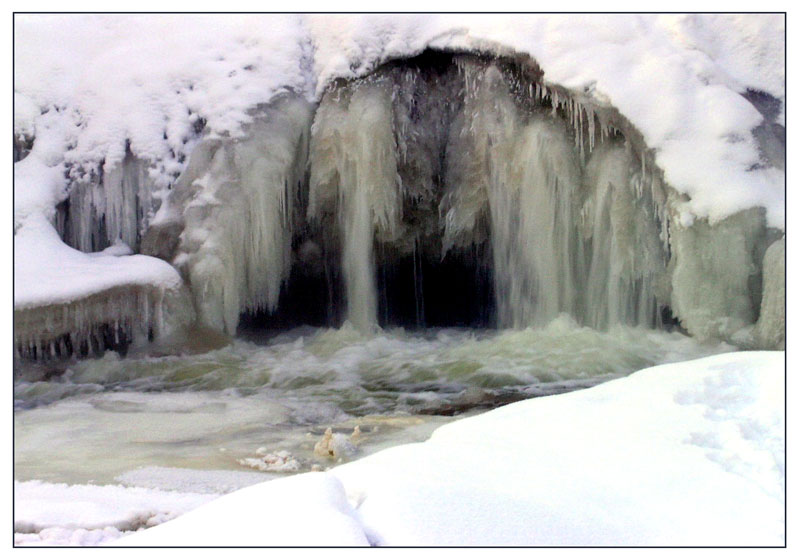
[(109, 319), (438, 161)]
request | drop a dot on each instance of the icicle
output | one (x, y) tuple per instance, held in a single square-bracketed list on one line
[(590, 119), (42, 331), (627, 262)]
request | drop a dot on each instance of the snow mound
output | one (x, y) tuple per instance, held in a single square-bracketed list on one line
[(680, 454), (309, 509)]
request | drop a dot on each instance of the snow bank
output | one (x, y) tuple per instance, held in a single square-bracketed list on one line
[(681, 454), (679, 79)]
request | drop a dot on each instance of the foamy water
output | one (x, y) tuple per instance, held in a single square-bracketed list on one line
[(126, 420)]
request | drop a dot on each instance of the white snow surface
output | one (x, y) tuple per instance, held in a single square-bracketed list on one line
[(46, 271), (147, 79), (310, 509), (79, 515), (680, 454)]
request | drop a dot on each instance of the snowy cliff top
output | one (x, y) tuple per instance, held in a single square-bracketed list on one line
[(150, 79)]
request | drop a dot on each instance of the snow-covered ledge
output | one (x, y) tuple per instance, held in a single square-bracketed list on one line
[(64, 296)]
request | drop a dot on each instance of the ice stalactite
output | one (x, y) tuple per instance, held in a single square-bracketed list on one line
[(625, 274), (238, 199), (114, 318), (771, 327), (105, 209), (714, 269), (354, 180), (522, 172)]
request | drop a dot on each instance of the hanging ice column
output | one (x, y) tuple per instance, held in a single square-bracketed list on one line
[(354, 181), (112, 208), (237, 197), (627, 261), (523, 171)]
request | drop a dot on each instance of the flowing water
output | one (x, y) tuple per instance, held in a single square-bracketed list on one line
[(116, 419)]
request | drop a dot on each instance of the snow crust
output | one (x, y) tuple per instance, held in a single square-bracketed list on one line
[(677, 78), (681, 454)]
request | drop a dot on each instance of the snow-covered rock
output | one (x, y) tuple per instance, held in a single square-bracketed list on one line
[(61, 292)]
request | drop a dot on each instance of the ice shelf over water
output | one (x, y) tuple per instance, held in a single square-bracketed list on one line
[(64, 296)]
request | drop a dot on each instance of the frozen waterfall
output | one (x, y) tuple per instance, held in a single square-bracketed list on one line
[(447, 190)]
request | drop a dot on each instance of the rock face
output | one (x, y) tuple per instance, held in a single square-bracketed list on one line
[(443, 190)]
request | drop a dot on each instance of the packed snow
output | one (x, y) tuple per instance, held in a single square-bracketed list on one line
[(682, 454)]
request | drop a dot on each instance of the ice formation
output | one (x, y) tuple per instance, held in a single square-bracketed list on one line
[(482, 156), (115, 205), (237, 201), (337, 446), (771, 326), (279, 461), (716, 273), (377, 191), (354, 176)]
